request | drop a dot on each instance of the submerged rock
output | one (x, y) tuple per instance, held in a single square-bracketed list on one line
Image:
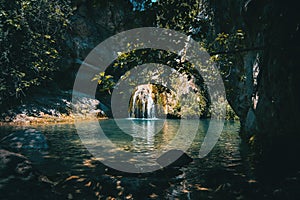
[(19, 180), (14, 164), (30, 142), (167, 158), (27, 140)]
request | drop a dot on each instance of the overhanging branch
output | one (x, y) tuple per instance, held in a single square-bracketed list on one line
[(238, 51)]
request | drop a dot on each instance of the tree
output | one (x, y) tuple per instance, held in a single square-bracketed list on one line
[(31, 37)]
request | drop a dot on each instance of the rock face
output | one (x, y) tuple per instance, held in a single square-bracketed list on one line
[(267, 104), (277, 110), (92, 23), (95, 21)]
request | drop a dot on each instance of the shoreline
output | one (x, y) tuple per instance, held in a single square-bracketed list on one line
[(49, 120), (52, 120)]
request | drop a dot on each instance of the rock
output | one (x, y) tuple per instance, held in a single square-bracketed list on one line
[(173, 116), (85, 105), (167, 158), (18, 179), (14, 164), (250, 124)]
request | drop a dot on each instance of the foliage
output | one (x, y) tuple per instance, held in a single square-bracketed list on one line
[(194, 18), (105, 82), (230, 114), (222, 46), (31, 35), (127, 61), (178, 15)]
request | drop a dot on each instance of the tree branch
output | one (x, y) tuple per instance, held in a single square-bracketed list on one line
[(238, 50)]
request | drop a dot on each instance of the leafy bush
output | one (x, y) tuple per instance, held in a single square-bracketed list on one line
[(31, 40)]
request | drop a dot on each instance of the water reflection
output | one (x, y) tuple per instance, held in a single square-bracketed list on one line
[(145, 131)]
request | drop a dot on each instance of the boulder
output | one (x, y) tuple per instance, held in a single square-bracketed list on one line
[(167, 158), (14, 164), (19, 179)]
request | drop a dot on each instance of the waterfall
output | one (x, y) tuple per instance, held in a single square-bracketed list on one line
[(142, 103)]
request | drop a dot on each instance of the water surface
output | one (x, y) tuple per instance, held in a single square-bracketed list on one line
[(76, 173)]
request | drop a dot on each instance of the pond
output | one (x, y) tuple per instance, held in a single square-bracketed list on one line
[(76, 174)]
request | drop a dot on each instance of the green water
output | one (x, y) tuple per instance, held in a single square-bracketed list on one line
[(75, 173)]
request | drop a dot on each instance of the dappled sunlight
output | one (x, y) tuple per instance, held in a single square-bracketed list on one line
[(77, 173), (149, 99)]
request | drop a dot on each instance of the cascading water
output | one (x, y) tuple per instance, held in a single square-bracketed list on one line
[(142, 103)]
